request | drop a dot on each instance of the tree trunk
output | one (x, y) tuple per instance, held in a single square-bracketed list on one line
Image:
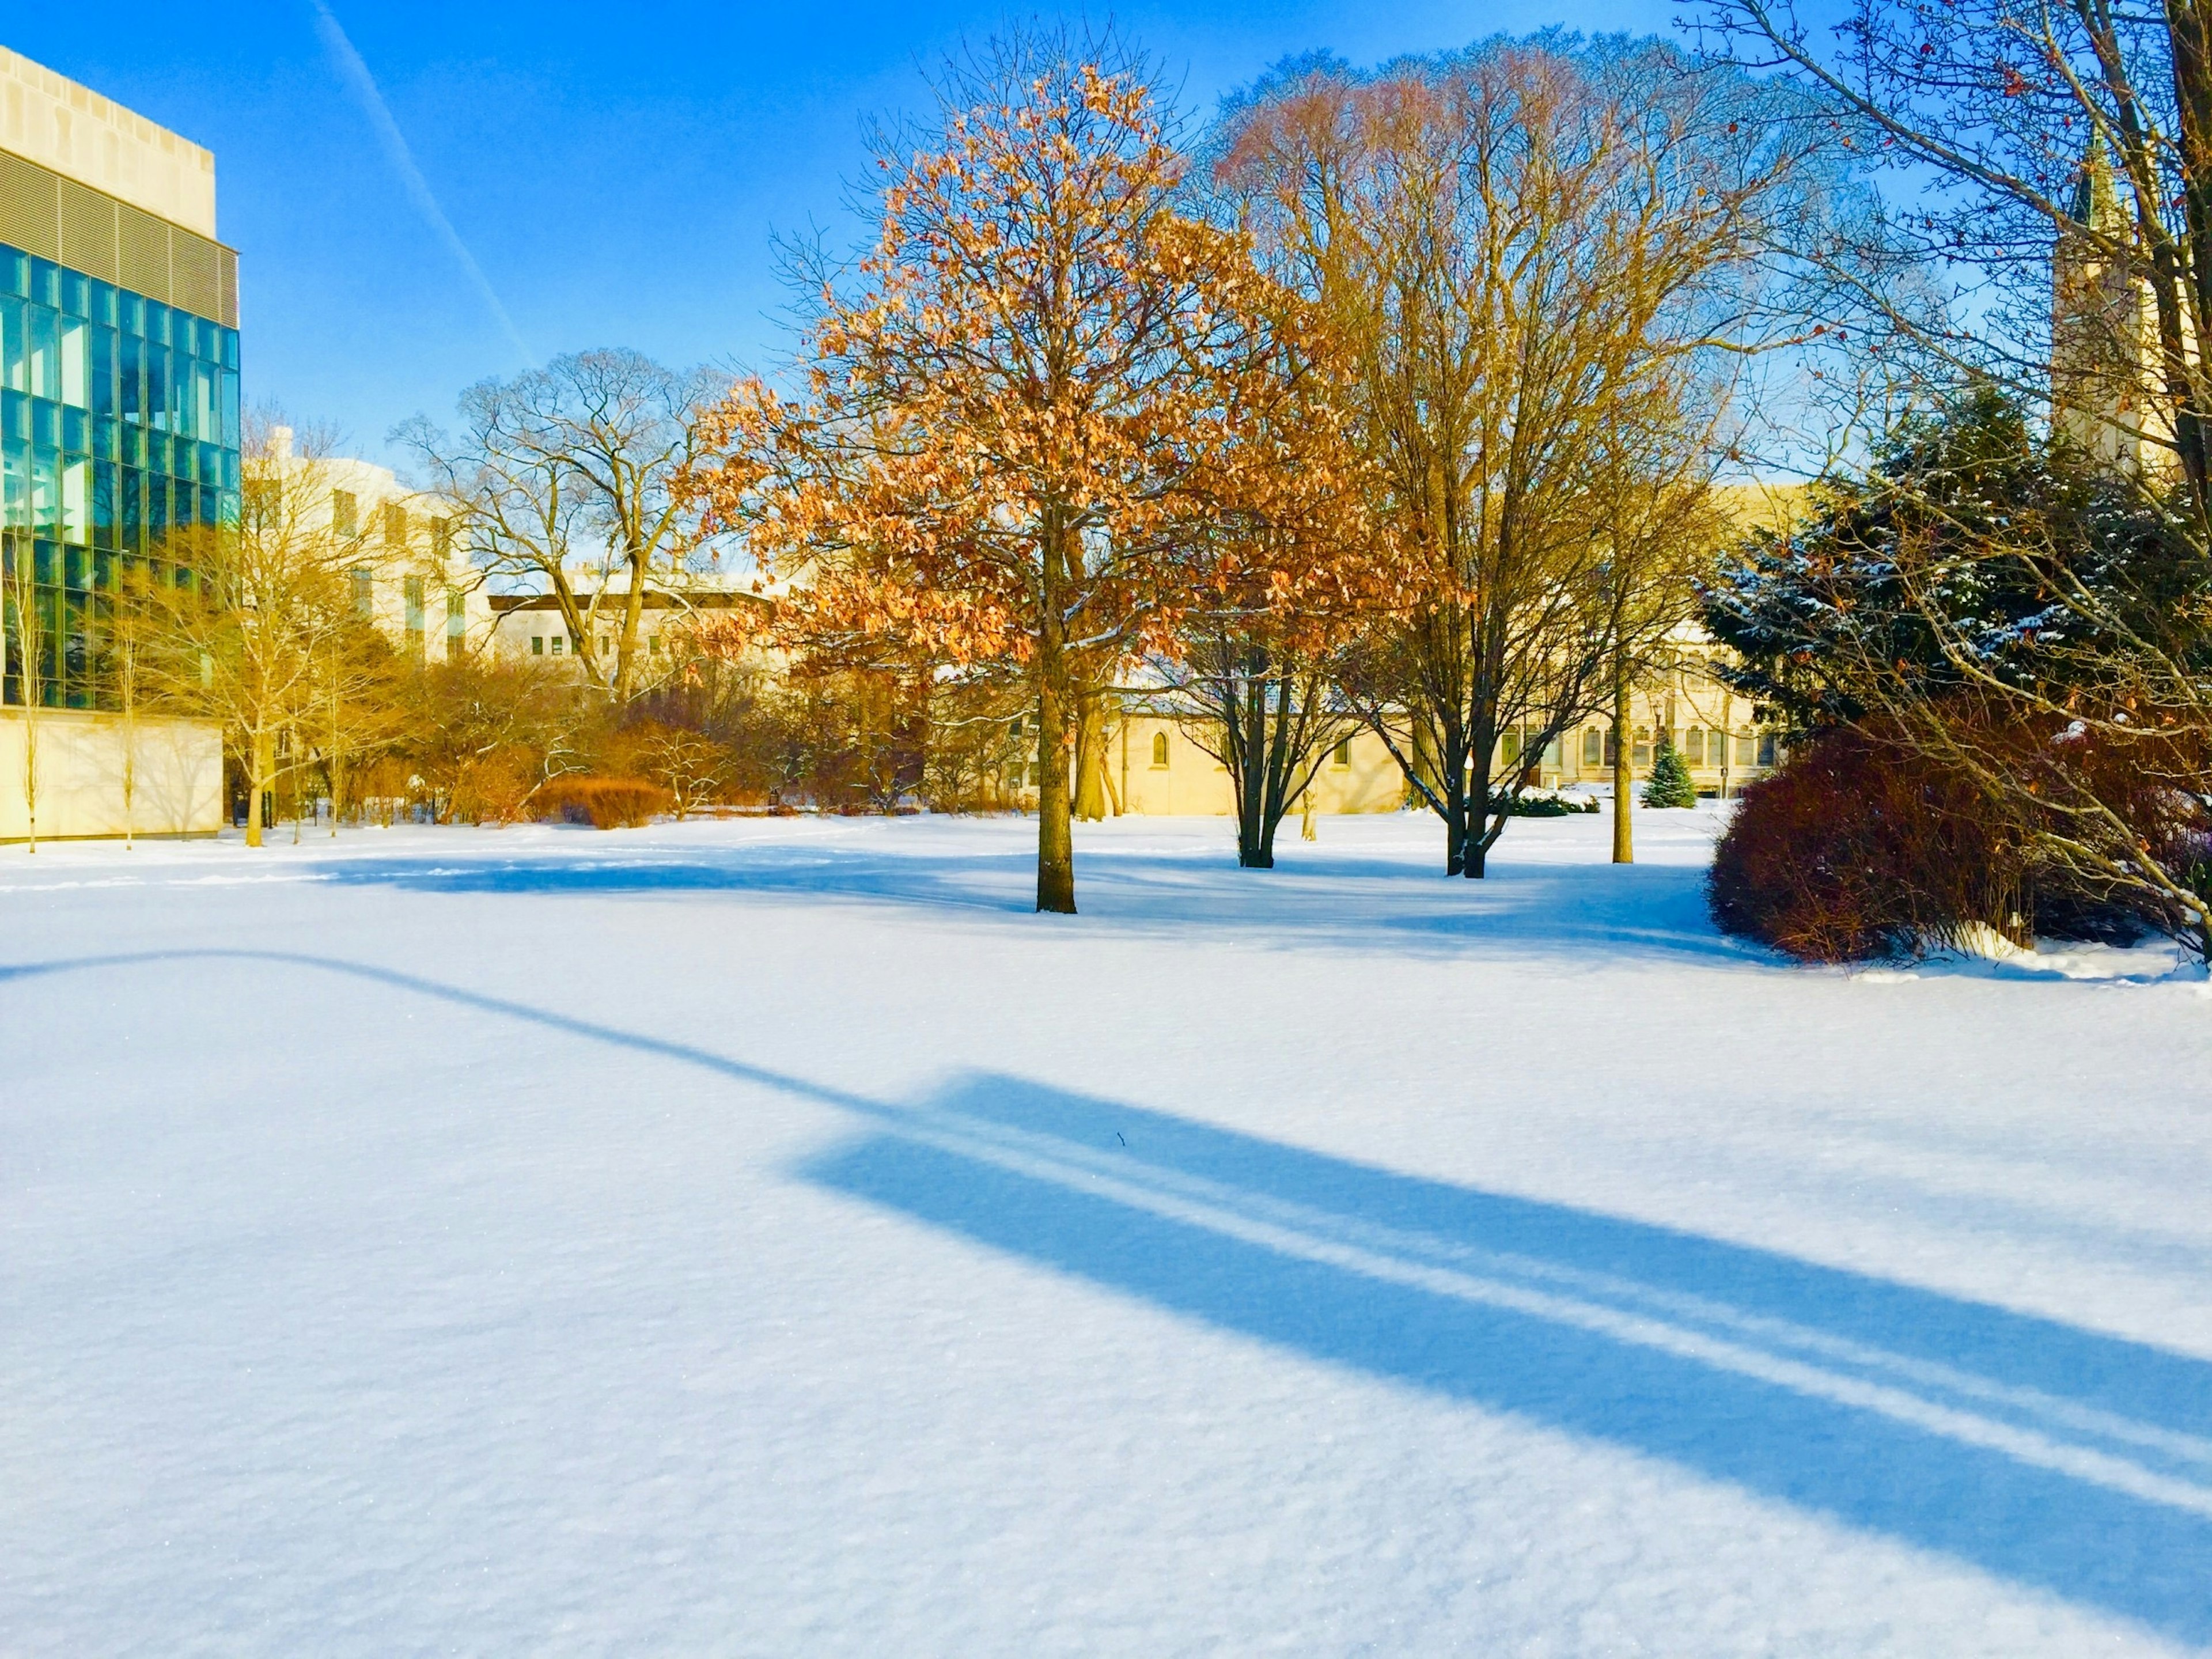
[(1055, 833), (257, 771), (1624, 772), (1245, 745), (31, 771), (2190, 32), (1474, 859), (1449, 785), (1091, 756), (626, 650)]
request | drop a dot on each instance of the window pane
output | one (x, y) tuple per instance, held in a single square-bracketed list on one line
[(15, 347), (76, 500), (76, 341), (44, 349)]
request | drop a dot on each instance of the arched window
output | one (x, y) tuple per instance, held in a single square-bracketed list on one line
[(1159, 749)]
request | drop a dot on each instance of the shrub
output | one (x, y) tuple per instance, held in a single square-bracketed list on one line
[(603, 803), (1857, 849), (1670, 783), (493, 788), (1542, 804)]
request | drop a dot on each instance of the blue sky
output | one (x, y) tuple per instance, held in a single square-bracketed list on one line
[(616, 171)]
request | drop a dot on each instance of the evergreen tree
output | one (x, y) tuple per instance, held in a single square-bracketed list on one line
[(1811, 614), (1670, 784)]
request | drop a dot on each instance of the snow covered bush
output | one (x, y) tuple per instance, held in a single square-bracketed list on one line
[(1541, 804), (1670, 783)]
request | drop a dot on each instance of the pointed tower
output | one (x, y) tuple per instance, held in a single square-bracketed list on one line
[(2104, 334)]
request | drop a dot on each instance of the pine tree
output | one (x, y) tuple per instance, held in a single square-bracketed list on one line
[(1670, 784)]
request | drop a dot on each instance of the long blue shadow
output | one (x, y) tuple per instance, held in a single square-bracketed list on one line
[(2149, 1558), (1345, 902), (2060, 1458)]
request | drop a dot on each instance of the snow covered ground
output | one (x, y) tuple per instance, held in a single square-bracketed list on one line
[(771, 1238)]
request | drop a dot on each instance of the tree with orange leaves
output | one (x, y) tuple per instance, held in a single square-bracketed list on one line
[(1027, 413)]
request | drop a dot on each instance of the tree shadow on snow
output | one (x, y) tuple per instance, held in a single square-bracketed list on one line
[(1320, 903), (2076, 1463)]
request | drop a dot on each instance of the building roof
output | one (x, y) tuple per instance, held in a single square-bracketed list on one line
[(72, 130), (714, 598), (2096, 203)]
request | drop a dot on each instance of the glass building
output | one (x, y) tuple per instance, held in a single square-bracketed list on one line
[(118, 377)]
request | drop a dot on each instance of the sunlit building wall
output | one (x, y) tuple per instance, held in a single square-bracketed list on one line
[(119, 383)]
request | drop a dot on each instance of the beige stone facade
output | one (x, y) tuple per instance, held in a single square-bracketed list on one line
[(1159, 770), (410, 580), (106, 193), (531, 625), (173, 769), (72, 130)]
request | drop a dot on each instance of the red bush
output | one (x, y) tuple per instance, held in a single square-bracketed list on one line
[(1859, 849), (604, 803)]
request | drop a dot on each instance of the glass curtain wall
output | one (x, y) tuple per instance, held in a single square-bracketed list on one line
[(119, 425)]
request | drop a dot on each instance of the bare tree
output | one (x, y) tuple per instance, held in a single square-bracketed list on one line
[(1530, 251), (569, 477), (1272, 715), (27, 637), (260, 628), (2069, 140), (2070, 147)]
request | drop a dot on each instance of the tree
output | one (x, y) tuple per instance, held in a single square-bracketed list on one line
[(2070, 153), (1270, 717), (1662, 535), (2080, 127), (572, 477), (1541, 258), (482, 737), (1670, 783), (1022, 412), (1823, 622), (258, 626), (125, 653), (2016, 621), (28, 636)]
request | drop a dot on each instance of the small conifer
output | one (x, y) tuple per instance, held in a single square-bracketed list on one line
[(1670, 784)]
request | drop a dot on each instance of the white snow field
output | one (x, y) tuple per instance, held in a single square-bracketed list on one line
[(771, 1238)]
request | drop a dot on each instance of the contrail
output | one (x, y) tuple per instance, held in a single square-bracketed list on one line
[(364, 88)]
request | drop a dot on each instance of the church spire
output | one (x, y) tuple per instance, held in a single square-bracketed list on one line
[(2096, 203)]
